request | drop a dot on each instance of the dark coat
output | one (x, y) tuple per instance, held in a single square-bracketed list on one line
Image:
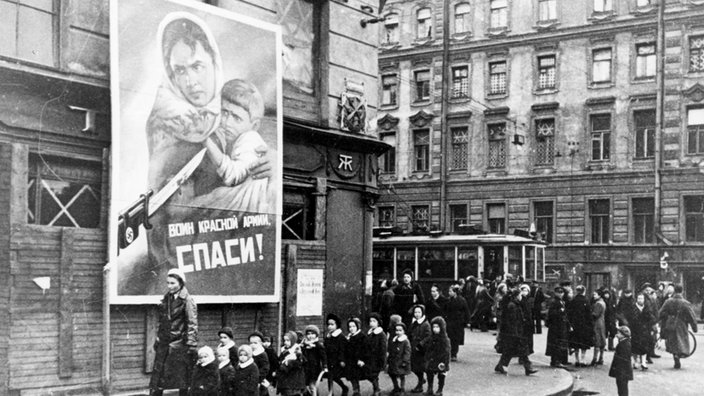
[(527, 309), (273, 364), (436, 348), (621, 367), (399, 360), (227, 380), (355, 352), (247, 380), (610, 317), (470, 295), (624, 310), (386, 306), (437, 307), (176, 337), (536, 300), (404, 296), (558, 328), (375, 352), (419, 331), (512, 340), (315, 359), (675, 315), (291, 377), (206, 380), (579, 312), (641, 323), (262, 363), (335, 347), (457, 315)]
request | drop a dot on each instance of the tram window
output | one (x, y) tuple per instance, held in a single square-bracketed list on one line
[(540, 268), (467, 262), (434, 263), (382, 263), (515, 260), (530, 263), (405, 259)]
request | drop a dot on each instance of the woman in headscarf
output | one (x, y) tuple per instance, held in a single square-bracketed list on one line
[(457, 315), (177, 338)]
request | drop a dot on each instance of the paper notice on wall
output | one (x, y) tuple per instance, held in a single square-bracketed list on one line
[(309, 292)]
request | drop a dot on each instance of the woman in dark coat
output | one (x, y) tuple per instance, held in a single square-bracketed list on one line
[(355, 354), (335, 346), (579, 312), (405, 295), (420, 329), (436, 304), (482, 315), (558, 330), (177, 338), (641, 323), (512, 342), (610, 317), (457, 315), (621, 368), (675, 315), (437, 354)]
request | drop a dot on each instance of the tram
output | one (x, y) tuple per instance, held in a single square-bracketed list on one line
[(445, 258)]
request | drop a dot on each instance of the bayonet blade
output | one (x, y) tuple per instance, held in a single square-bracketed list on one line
[(175, 183)]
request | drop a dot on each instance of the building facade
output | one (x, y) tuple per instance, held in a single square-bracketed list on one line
[(509, 114), (55, 141)]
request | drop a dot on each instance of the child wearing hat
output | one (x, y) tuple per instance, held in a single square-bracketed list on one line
[(375, 348), (437, 354), (206, 374), (227, 371), (246, 378), (399, 360), (290, 377), (355, 353), (420, 329), (315, 360), (227, 340), (273, 360), (335, 345), (621, 368), (261, 360)]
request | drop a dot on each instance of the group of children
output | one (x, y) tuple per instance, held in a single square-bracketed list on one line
[(305, 359)]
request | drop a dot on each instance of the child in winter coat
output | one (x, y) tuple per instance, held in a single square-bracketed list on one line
[(420, 329), (621, 368), (206, 376), (246, 379), (290, 377), (355, 353), (227, 340), (399, 360), (273, 360), (227, 372), (375, 348), (261, 360), (315, 359), (335, 343), (437, 354)]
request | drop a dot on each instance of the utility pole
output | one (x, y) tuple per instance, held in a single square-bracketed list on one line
[(444, 129)]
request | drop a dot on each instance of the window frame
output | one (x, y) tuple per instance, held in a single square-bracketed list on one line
[(308, 211), (589, 231), (683, 219), (638, 59), (391, 19), (453, 219), (426, 21), (487, 219), (633, 232), (490, 91), (549, 237), (453, 144), (594, 61), (648, 138), (539, 10), (464, 92), (413, 219), (503, 148), (699, 144), (56, 34), (502, 13), (549, 140), (380, 208), (539, 72), (425, 152), (467, 19), (392, 92), (689, 50), (428, 83), (602, 134), (388, 159)]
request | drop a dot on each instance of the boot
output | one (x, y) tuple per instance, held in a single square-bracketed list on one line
[(529, 369), (402, 385), (677, 363), (419, 387), (500, 369), (441, 385), (611, 344), (430, 386)]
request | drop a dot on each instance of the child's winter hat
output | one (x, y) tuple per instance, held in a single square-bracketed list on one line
[(227, 331), (256, 333), (292, 336), (421, 306), (335, 318), (401, 324), (177, 274), (376, 316), (356, 321), (625, 331), (312, 329), (246, 348)]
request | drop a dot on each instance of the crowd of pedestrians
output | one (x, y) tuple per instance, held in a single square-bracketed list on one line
[(412, 335)]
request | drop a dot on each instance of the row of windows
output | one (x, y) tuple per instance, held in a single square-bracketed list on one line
[(601, 72), (544, 132), (598, 226), (461, 22)]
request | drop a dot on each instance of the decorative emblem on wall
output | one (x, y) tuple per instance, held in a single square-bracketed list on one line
[(387, 122), (695, 92), (421, 118), (353, 107), (345, 166)]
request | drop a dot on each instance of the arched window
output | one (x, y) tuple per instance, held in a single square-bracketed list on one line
[(425, 23), (462, 20)]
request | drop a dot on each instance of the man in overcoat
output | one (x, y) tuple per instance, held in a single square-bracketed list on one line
[(675, 315)]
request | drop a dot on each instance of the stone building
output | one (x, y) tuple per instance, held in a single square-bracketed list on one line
[(507, 114), (55, 141)]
